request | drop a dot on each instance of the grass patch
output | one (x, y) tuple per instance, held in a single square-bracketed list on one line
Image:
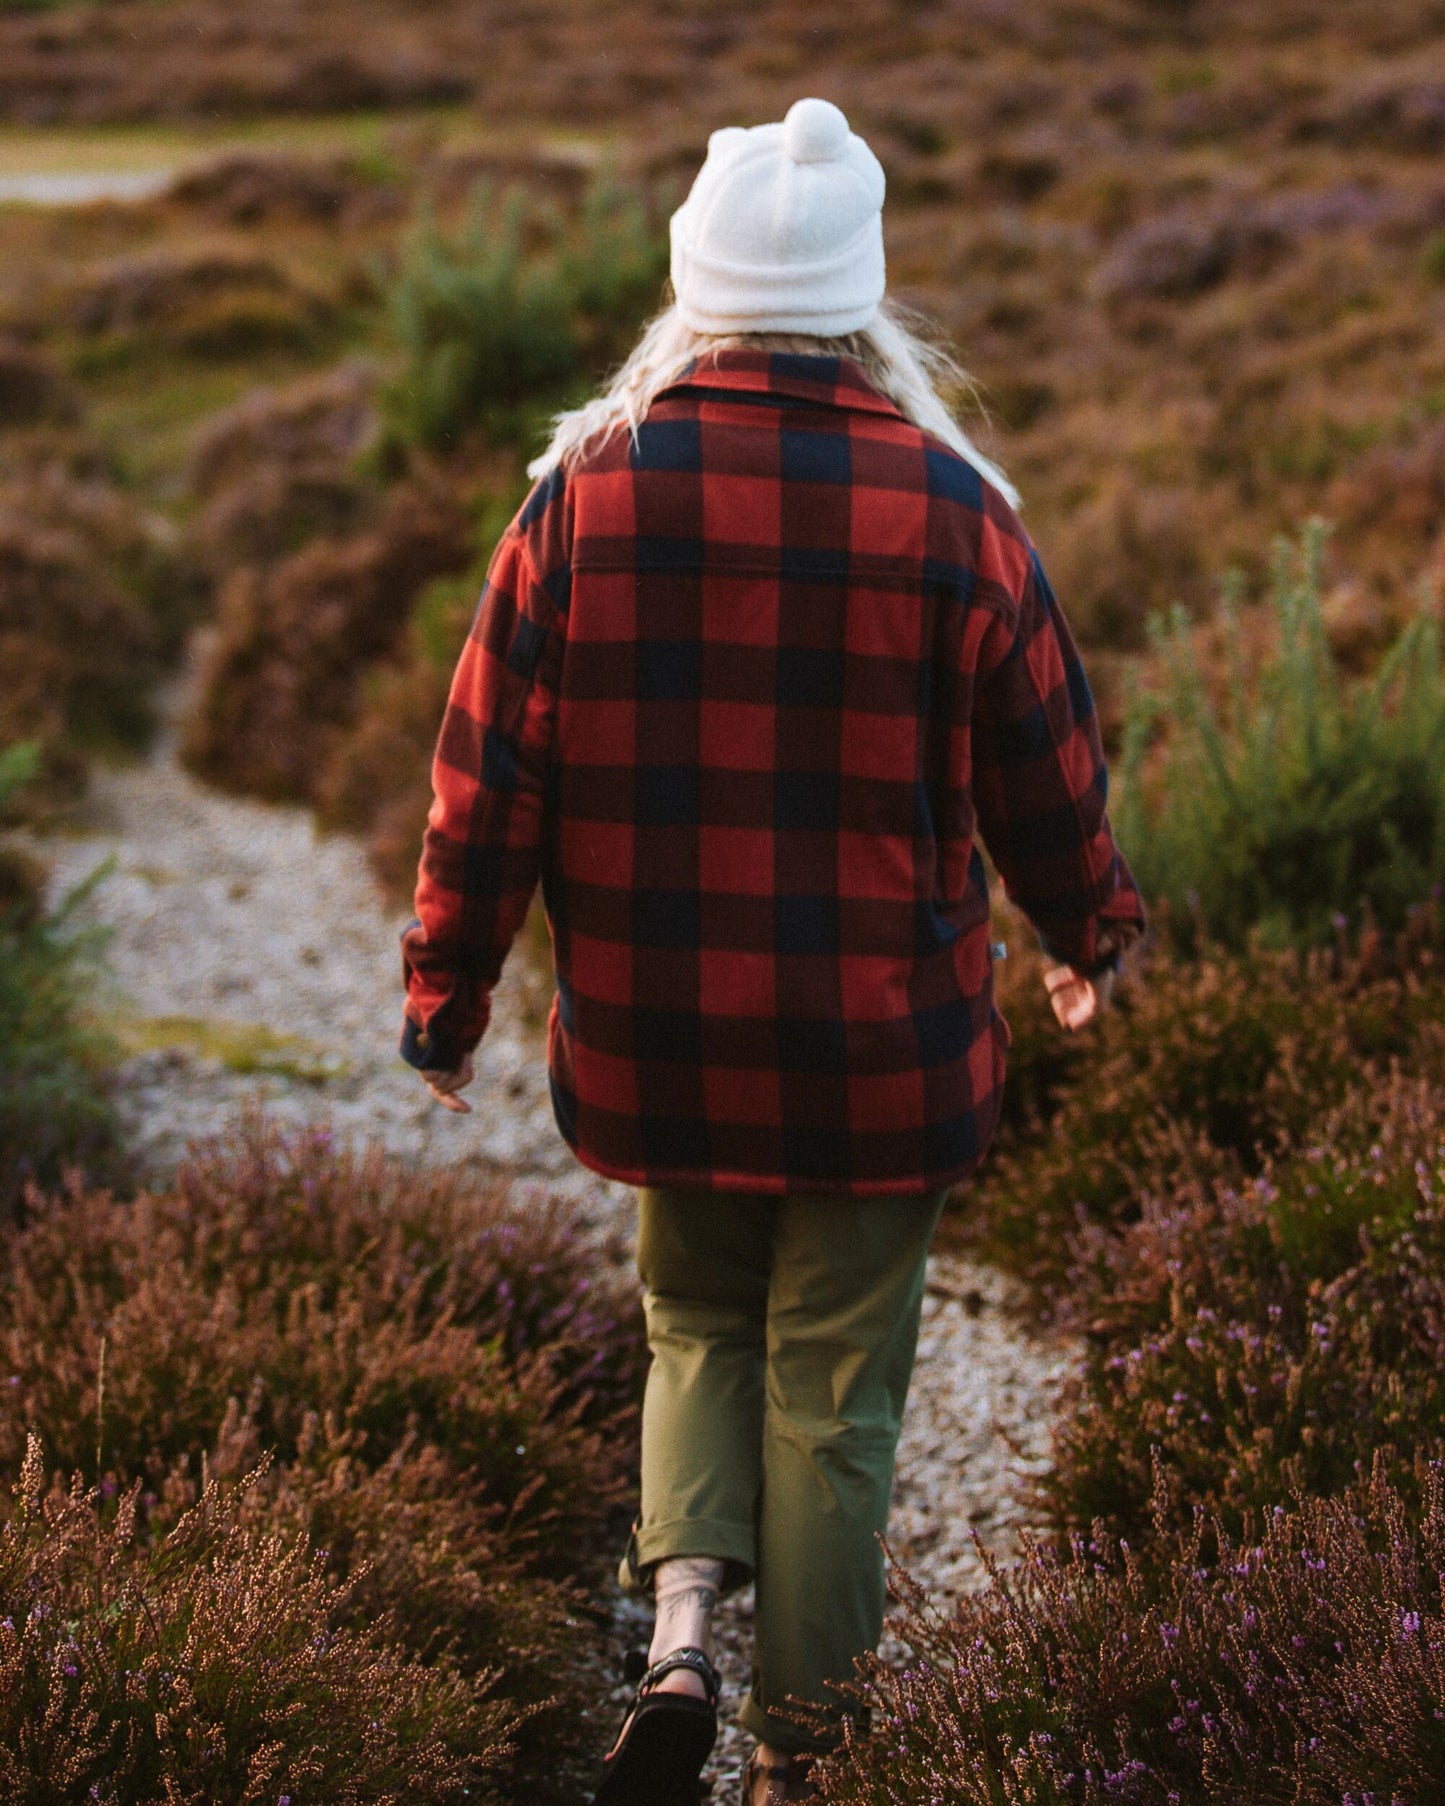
[(149, 412), (55, 1106), (246, 1048), (147, 144)]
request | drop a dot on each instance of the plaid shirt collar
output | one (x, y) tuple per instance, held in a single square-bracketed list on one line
[(835, 382)]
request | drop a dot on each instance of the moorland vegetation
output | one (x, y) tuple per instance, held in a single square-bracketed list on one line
[(1195, 254), (298, 1456)]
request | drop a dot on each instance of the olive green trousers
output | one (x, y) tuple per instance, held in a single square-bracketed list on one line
[(782, 1332)]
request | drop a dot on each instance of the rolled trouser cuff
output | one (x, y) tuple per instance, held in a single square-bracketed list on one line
[(734, 1545)]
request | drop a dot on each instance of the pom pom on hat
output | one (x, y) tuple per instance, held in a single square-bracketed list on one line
[(815, 131), (782, 230)]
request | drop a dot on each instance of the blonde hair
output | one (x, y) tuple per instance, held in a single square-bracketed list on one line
[(895, 356)]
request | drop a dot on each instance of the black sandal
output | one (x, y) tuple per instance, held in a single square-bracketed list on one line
[(666, 1740), (794, 1770)]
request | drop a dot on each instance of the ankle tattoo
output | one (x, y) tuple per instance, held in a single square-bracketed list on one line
[(686, 1593)]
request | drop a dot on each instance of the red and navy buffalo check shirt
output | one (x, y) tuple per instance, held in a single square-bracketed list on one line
[(743, 691)]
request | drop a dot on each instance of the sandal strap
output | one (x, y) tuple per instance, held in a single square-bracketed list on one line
[(692, 1659), (794, 1769)]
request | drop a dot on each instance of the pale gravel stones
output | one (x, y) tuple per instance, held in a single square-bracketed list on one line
[(238, 912), (242, 914)]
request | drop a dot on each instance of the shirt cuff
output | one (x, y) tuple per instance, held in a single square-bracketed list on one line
[(427, 1050), (1113, 940)]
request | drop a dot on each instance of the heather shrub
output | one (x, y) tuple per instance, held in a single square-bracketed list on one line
[(377, 779), (321, 420), (213, 300), (1305, 1667), (215, 1664), (282, 679), (1394, 109), (274, 512), (55, 1108), (296, 1279), (1197, 1072), (1133, 547), (280, 467), (96, 594), (79, 646), (443, 1386), (33, 387), (1302, 802), (1182, 254), (242, 188), (498, 321), (1390, 501), (1265, 1339)]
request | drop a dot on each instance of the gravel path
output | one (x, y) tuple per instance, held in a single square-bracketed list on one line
[(241, 938)]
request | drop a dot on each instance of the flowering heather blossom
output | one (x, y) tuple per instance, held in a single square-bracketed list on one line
[(406, 1390), (1265, 1338), (1284, 1665), (1240, 1597), (1201, 1071), (203, 1667)]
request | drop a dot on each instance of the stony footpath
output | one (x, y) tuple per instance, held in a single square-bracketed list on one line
[(253, 960)]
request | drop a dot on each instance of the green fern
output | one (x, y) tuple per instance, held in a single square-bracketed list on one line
[(1301, 805)]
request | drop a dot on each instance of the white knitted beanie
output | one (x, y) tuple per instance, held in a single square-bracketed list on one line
[(783, 229)]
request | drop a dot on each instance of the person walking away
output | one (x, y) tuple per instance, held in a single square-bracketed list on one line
[(763, 656)]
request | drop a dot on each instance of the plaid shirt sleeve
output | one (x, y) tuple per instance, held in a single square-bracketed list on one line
[(481, 853), (1040, 784)]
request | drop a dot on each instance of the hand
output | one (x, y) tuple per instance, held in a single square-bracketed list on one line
[(1077, 1000), (445, 1085)]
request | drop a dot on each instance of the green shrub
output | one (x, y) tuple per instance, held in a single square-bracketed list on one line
[(213, 1666), (612, 265), (1302, 1669), (55, 1107), (1303, 801), (495, 329), (444, 1386), (483, 328)]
